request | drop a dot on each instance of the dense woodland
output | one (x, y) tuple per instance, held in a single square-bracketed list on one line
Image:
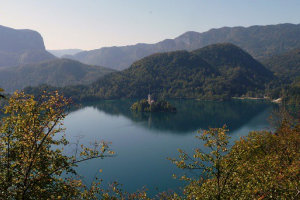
[(216, 72), (286, 66), (291, 93)]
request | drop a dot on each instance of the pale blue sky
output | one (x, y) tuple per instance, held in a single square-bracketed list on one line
[(90, 24)]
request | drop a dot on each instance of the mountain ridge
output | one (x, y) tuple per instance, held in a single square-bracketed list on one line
[(259, 40)]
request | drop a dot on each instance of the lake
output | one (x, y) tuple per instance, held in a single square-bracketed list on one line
[(144, 141)]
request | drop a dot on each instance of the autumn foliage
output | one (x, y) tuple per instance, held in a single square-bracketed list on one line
[(31, 151), (262, 165)]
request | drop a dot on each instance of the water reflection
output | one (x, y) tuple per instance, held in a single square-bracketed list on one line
[(192, 115), (143, 141)]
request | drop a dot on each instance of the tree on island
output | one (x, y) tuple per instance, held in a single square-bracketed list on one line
[(153, 106)]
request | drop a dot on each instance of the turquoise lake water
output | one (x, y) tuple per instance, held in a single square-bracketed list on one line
[(144, 141)]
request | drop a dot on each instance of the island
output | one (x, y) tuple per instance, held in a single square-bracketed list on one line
[(150, 105)]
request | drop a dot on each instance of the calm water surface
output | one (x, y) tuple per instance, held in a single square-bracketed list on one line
[(143, 141)]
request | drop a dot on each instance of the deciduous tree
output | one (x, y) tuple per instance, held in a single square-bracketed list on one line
[(32, 160)]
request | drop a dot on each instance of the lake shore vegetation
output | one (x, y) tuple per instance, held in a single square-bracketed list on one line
[(262, 165)]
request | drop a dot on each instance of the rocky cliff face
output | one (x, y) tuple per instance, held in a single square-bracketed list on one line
[(21, 47)]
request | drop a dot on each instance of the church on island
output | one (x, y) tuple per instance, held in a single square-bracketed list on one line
[(150, 100), (150, 105)]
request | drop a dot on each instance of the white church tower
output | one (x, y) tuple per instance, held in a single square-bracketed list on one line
[(150, 100)]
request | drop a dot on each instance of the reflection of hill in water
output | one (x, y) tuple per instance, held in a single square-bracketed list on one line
[(191, 115)]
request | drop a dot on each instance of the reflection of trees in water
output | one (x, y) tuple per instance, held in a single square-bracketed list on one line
[(191, 115)]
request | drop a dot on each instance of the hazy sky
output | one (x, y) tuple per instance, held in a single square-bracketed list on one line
[(90, 24)]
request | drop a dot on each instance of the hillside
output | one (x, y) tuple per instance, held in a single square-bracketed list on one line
[(291, 94), (259, 41), (21, 47), (228, 72), (59, 72), (215, 72), (286, 66)]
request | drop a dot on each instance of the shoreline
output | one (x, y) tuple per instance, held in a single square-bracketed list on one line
[(251, 98), (278, 101)]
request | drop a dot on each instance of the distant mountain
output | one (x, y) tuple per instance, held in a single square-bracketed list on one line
[(214, 72), (286, 66), (259, 41), (58, 72), (21, 47), (63, 52)]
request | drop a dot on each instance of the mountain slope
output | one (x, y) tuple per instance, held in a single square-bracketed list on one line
[(236, 65), (286, 66), (59, 72), (259, 41), (21, 47), (292, 93), (214, 73), (162, 73)]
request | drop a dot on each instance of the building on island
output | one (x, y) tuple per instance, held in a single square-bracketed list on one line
[(150, 100)]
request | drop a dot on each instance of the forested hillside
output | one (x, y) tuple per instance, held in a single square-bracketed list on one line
[(59, 72), (286, 66), (291, 93), (216, 72)]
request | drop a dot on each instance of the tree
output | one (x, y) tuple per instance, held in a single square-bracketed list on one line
[(31, 151), (213, 169), (262, 165), (269, 167)]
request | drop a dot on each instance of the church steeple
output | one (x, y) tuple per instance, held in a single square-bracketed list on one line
[(150, 101)]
